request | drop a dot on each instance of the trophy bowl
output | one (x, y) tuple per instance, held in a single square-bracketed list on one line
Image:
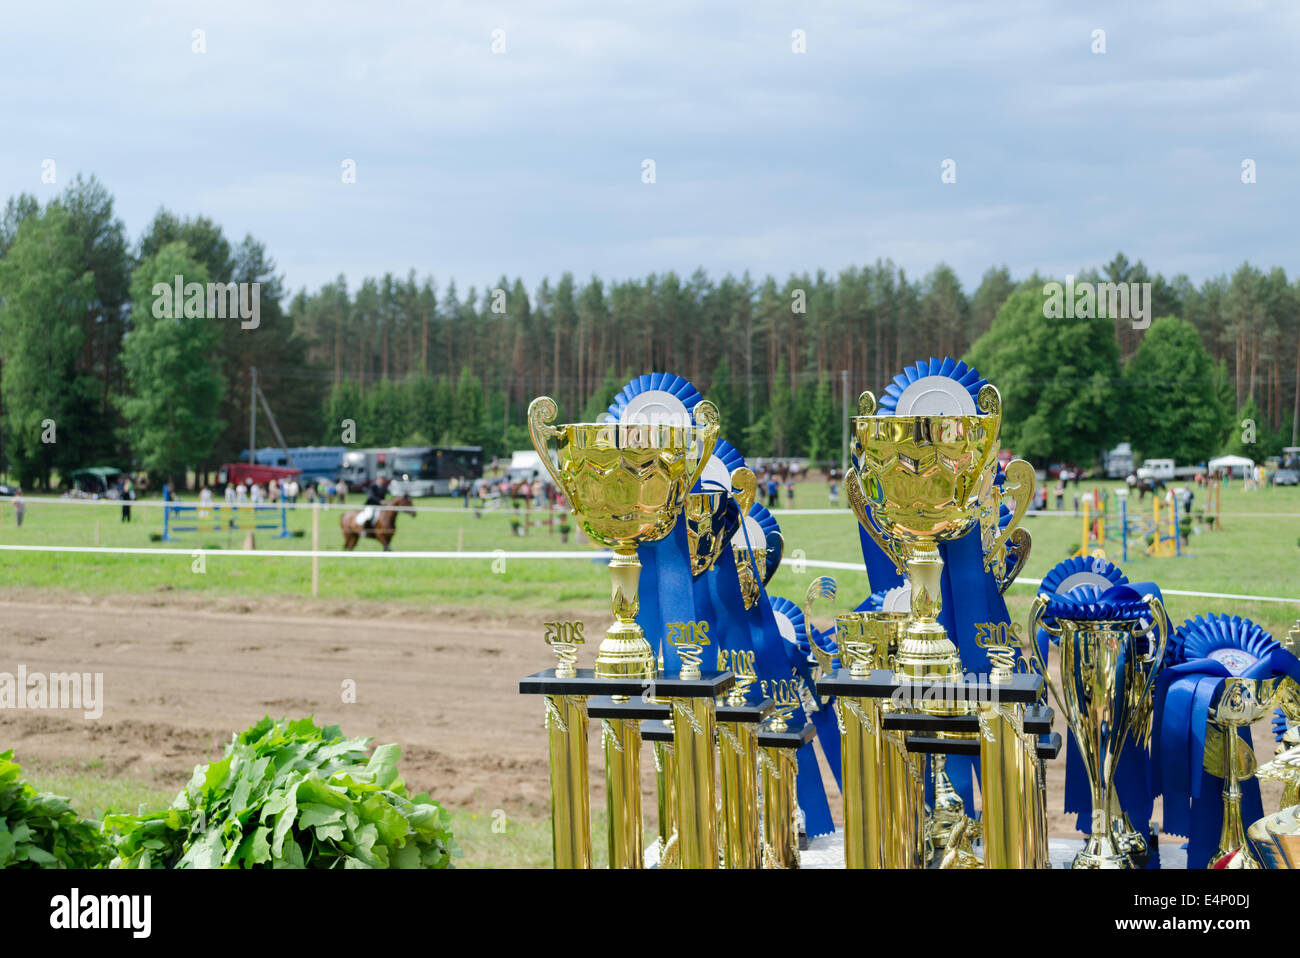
[(706, 522), (627, 483), (710, 524), (922, 480)]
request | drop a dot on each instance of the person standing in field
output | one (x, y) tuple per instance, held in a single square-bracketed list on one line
[(20, 507), (128, 493)]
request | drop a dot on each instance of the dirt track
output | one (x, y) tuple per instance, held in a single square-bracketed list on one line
[(180, 677)]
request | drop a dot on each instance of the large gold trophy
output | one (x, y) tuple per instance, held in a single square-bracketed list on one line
[(627, 483), (922, 480)]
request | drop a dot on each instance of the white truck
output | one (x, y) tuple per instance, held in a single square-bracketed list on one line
[(1164, 469)]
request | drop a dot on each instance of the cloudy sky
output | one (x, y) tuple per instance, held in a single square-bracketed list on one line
[(471, 163)]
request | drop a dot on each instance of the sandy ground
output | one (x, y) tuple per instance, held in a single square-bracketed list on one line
[(181, 674)]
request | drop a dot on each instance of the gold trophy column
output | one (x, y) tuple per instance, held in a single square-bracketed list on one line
[(1008, 764), (666, 779), (622, 740), (780, 842), (566, 734), (738, 758), (697, 783), (860, 758), (778, 743)]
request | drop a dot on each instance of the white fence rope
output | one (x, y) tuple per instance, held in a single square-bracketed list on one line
[(502, 554), (497, 505)]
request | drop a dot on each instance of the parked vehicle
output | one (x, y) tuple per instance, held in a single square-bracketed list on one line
[(1286, 477), (1118, 462)]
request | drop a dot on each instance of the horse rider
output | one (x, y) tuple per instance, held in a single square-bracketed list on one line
[(375, 494)]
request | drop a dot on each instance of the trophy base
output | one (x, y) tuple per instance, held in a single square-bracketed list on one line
[(929, 655), (1237, 859), (1101, 856), (624, 653)]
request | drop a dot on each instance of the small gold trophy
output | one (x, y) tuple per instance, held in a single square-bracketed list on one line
[(1241, 702), (627, 484)]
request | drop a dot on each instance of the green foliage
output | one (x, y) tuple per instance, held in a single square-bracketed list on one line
[(39, 830), (1172, 399), (290, 794), (824, 425), (45, 292), (1058, 379), (175, 386)]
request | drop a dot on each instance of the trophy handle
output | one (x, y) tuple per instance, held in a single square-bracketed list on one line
[(1036, 622), (1021, 539), (775, 550), (705, 415), (541, 412), (745, 484), (1019, 479), (1160, 618), (822, 587), (858, 503)]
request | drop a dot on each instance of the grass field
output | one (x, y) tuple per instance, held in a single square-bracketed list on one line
[(1255, 553)]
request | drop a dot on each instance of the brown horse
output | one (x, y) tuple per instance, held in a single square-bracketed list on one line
[(383, 528)]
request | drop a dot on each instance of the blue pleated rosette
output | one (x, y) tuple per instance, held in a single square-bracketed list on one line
[(772, 540), (1088, 604), (785, 608), (729, 455), (953, 369), (1205, 651), (1235, 642), (674, 385), (1061, 575)]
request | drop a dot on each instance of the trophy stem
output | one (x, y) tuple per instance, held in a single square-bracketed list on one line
[(622, 739), (925, 651), (949, 810), (1232, 839), (624, 652)]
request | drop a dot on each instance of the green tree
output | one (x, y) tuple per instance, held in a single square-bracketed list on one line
[(467, 414), (1058, 378), (724, 394), (1173, 403), (44, 294), (171, 368), (824, 425)]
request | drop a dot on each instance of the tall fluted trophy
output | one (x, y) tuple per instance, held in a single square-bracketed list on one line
[(1105, 685)]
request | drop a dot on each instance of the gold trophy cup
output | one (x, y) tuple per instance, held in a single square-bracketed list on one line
[(1103, 680), (923, 480), (627, 483)]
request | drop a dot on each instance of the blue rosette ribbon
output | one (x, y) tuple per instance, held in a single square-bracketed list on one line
[(1205, 651)]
